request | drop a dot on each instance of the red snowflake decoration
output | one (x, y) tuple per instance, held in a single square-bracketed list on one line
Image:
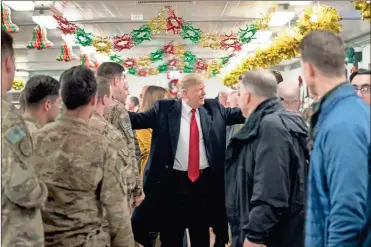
[(230, 41), (169, 48), (129, 63), (122, 42), (201, 64), (172, 62), (65, 26), (143, 72), (173, 22)]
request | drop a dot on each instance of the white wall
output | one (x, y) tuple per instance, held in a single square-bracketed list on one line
[(213, 85), (365, 57), (292, 75)]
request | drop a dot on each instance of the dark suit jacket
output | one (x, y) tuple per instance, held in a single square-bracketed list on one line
[(164, 118)]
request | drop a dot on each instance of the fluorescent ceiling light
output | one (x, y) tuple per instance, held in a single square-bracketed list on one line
[(263, 36), (300, 3), (21, 73), (46, 21), (281, 18), (21, 5)]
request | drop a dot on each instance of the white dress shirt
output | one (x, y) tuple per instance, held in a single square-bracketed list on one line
[(182, 152)]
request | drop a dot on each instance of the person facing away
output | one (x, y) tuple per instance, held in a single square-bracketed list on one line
[(117, 115), (43, 102), (112, 134), (87, 202), (265, 169), (338, 208), (361, 80), (183, 178), (232, 101), (133, 104), (144, 136), (22, 193), (289, 93)]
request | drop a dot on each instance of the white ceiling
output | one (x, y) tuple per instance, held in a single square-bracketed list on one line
[(109, 18)]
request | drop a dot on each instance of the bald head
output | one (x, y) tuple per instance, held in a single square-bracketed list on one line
[(289, 92)]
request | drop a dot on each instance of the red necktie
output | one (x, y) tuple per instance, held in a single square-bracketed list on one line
[(194, 150)]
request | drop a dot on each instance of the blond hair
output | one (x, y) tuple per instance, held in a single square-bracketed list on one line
[(151, 95), (189, 80)]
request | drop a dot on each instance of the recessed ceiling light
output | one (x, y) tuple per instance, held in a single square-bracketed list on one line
[(21, 5), (300, 3)]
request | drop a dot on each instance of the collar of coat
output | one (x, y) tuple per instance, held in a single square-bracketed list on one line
[(251, 126)]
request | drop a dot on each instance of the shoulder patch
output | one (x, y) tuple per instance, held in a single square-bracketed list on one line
[(16, 134)]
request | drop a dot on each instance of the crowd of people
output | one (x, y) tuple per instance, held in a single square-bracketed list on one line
[(158, 170)]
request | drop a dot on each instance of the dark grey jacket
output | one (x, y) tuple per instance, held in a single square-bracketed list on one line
[(265, 177)]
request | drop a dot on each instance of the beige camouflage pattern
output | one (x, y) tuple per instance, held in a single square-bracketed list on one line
[(32, 124), (118, 116), (87, 204), (22, 193), (116, 138)]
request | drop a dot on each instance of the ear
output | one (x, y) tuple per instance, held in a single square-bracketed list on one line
[(247, 98), (93, 100), (46, 105), (105, 100), (116, 82)]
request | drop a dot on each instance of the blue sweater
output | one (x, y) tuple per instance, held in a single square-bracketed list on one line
[(338, 183)]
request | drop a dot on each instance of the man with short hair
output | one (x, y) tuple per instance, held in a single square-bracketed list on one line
[(87, 203), (133, 104), (43, 102), (265, 169), (117, 115), (112, 134), (289, 93), (361, 80), (22, 193), (183, 179), (338, 211)]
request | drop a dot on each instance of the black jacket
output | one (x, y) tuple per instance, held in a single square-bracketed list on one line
[(265, 177)]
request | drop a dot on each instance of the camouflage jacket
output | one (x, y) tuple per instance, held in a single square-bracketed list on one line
[(32, 124), (22, 194), (86, 187), (118, 116), (116, 138)]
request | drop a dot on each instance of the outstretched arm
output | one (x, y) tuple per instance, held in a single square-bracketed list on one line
[(144, 120)]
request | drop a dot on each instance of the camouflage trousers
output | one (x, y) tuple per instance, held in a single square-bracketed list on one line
[(97, 238)]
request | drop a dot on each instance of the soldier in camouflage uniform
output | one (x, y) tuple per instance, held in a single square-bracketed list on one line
[(41, 95), (87, 202), (118, 116), (22, 194), (112, 134)]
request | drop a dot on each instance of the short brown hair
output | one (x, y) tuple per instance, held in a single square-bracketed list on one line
[(104, 87), (325, 50), (189, 80), (110, 70)]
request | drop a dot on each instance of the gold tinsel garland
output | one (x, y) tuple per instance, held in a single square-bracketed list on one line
[(285, 45), (365, 8)]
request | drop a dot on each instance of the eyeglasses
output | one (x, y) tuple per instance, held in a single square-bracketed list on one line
[(364, 88)]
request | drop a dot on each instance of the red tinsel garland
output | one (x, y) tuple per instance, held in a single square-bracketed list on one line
[(172, 62), (201, 64), (65, 26), (173, 22), (123, 42)]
